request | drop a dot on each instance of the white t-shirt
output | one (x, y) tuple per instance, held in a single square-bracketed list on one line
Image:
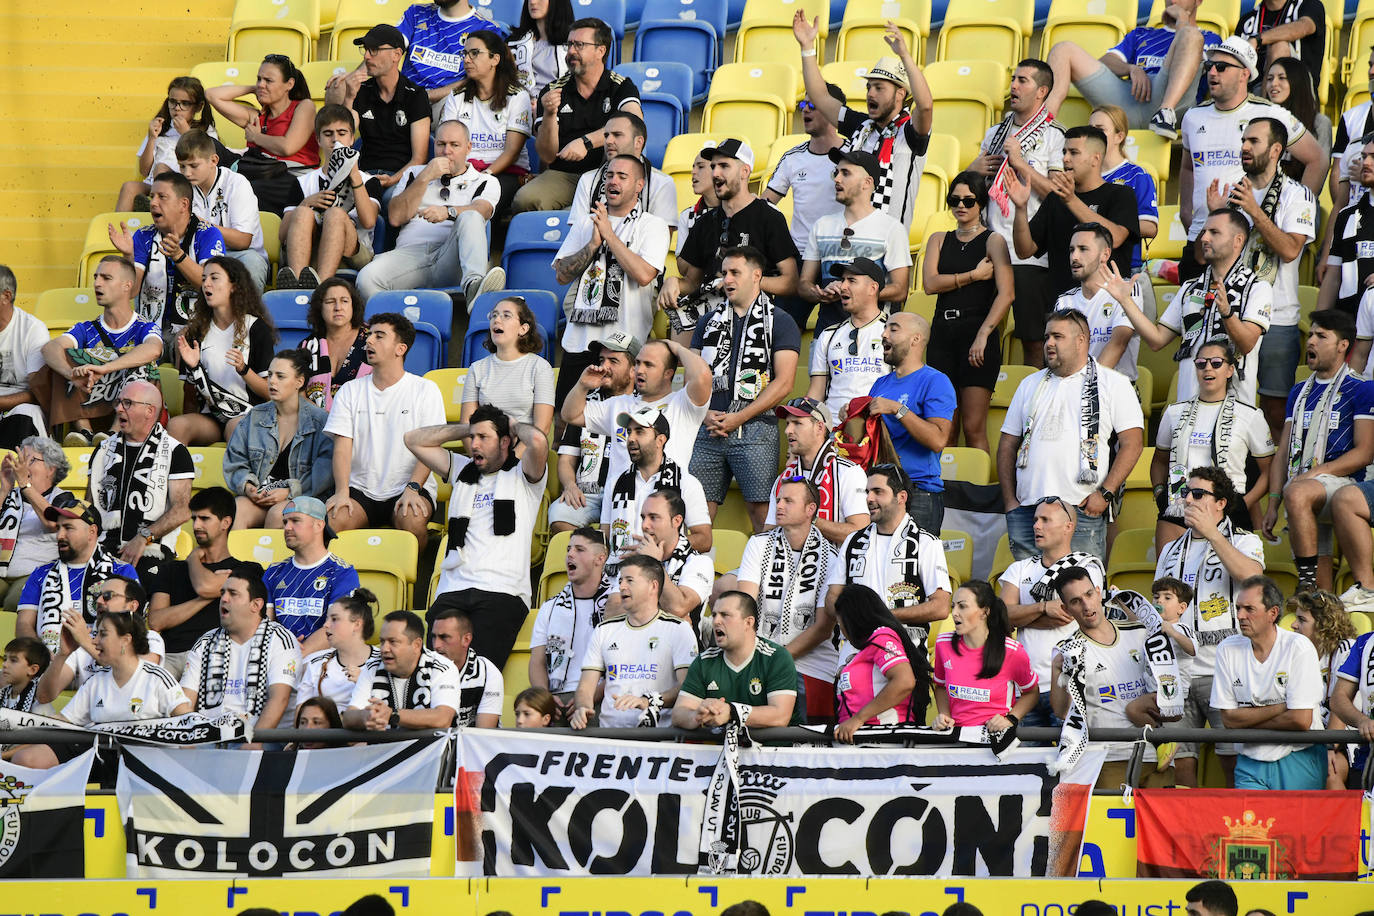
[(1291, 675), (877, 236), (1113, 676), (684, 419), (1040, 642), (931, 566), (822, 662), (1250, 437), (84, 667), (487, 561), (1104, 316), (151, 693), (1046, 157), (283, 665), (377, 421), (1256, 309), (638, 661), (808, 176), (444, 688), (214, 353), (21, 351), (323, 676), (851, 374), (1249, 544), (562, 655), (659, 197), (1055, 440), (851, 495), (463, 189), (623, 524), (230, 202), (312, 182), (1212, 138), (646, 236), (488, 127)]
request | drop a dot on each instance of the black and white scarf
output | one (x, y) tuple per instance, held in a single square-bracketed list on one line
[(1258, 254), (753, 364), (1307, 443), (23, 701), (1043, 589), (55, 595), (824, 473), (601, 287), (1222, 434), (624, 509), (142, 487), (901, 569), (186, 730), (224, 405), (11, 516), (1206, 323), (335, 175), (465, 493), (1027, 136), (594, 459), (792, 585), (168, 299), (563, 624), (883, 139), (1214, 597), (415, 690), (1089, 423), (722, 831), (214, 667)]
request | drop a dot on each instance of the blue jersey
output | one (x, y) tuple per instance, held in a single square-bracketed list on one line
[(1146, 197), (1146, 47), (435, 57), (299, 595), (76, 578), (1354, 402), (928, 393), (88, 336), (166, 298)]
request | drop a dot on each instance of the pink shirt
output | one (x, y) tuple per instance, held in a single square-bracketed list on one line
[(866, 675), (972, 700)]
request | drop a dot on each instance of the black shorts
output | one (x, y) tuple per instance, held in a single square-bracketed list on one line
[(379, 512), (1033, 301), (569, 371), (950, 343)]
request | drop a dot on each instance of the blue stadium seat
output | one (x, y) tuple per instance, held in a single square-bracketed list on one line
[(691, 41), (665, 77), (532, 239), (287, 304), (735, 13), (665, 119), (546, 310), (291, 332), (611, 12), (634, 11), (716, 12), (428, 305), (506, 12)]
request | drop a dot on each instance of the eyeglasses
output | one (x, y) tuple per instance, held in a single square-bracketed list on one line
[(107, 595), (1215, 362), (1220, 66), (180, 103), (955, 201), (579, 45), (1197, 492), (805, 105), (506, 315), (845, 237), (380, 48), (126, 403), (476, 52), (1056, 499)]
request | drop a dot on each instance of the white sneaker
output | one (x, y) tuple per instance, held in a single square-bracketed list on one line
[(1357, 597)]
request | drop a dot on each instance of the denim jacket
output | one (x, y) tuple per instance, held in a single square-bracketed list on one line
[(254, 448)]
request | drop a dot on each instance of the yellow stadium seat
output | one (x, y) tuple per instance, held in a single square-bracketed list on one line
[(733, 514), (1361, 622), (1008, 378), (1075, 111), (922, 304), (1173, 235), (913, 12), (1138, 510), (968, 97), (801, 379), (319, 72), (1095, 25), (1163, 369), (1148, 149), (1001, 559), (1219, 16), (260, 545), (1134, 545), (173, 389), (62, 309), (1287, 620), (981, 38), (271, 237), (727, 547), (97, 243), (946, 152), (682, 152), (263, 27), (209, 462), (515, 678), (554, 574), (1134, 579), (971, 465), (1307, 304), (852, 77), (1279, 566), (1356, 95), (958, 553), (863, 38), (1358, 44), (386, 561), (775, 153), (753, 102), (765, 31), (329, 11), (353, 18), (79, 477), (450, 382)]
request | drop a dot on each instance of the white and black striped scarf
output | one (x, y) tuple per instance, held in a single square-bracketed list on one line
[(1027, 137), (415, 689), (905, 587), (1089, 422), (23, 701), (623, 510), (55, 595), (722, 832), (224, 405), (214, 667), (601, 287), (1213, 590), (1222, 434), (791, 586), (1307, 443), (1201, 326), (11, 516), (1043, 590), (1258, 253), (753, 364), (563, 624), (143, 487)]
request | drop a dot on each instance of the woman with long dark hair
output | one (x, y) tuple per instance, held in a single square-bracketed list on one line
[(1288, 82), (539, 43), (223, 351), (316, 712), (337, 340), (881, 683), (982, 675), (497, 111), (185, 109)]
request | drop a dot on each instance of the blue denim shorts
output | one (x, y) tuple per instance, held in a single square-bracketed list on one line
[(749, 456)]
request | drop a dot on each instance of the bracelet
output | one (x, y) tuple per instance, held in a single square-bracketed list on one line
[(811, 53), (358, 185), (180, 259)]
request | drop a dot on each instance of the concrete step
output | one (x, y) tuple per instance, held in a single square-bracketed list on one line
[(97, 108), (35, 278), (22, 177), (59, 203), (71, 156), (67, 229), (135, 10), (36, 133)]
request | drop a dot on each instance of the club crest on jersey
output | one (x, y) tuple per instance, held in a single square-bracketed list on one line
[(321, 583), (755, 687)]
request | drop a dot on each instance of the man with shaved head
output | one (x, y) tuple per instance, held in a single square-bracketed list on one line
[(917, 403), (141, 481)]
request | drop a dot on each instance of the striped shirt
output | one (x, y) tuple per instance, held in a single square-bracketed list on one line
[(1146, 197), (436, 43), (1352, 249), (1353, 124), (808, 176), (1147, 47), (298, 595)]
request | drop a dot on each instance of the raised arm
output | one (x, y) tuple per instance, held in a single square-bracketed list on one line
[(807, 33), (427, 444)]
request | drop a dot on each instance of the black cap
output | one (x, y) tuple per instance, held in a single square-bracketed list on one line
[(864, 267), (382, 33), (732, 148), (866, 161), (68, 506)]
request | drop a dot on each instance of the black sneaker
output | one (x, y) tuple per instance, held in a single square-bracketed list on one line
[(286, 278), (308, 279), (1165, 123)]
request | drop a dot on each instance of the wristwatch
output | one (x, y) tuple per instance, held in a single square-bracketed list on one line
[(146, 533), (395, 720), (452, 212), (588, 144), (901, 412)]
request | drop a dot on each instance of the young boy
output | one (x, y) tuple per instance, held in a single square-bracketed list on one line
[(25, 660), (224, 199), (336, 214), (1172, 597)]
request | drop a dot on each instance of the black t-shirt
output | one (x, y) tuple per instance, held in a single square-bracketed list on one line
[(1053, 223), (1311, 49), (760, 225), (174, 578), (384, 127), (785, 336), (579, 117)]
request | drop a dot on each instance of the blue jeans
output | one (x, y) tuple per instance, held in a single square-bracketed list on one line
[(927, 509), (1090, 536), (456, 260)]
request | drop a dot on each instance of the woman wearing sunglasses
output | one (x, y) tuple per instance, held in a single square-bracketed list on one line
[(1214, 429), (969, 271)]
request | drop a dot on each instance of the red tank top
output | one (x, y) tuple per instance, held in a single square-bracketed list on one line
[(276, 127)]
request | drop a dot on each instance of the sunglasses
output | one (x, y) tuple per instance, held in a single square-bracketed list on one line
[(725, 232), (277, 59), (956, 201), (1056, 499), (805, 105), (1197, 492), (848, 234), (1215, 362), (444, 188), (1220, 66), (107, 595)]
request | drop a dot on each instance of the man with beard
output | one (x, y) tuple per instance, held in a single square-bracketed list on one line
[(613, 259), (625, 134), (897, 138), (570, 115), (480, 685), (1283, 220), (1328, 441), (805, 171), (584, 456), (841, 485), (407, 685), (301, 588), (491, 516), (168, 254), (126, 346), (1055, 439), (742, 220), (687, 574), (1112, 341), (917, 404), (1227, 300), (847, 356), (564, 624), (68, 583)]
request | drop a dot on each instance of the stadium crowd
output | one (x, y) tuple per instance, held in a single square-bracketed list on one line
[(842, 608)]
